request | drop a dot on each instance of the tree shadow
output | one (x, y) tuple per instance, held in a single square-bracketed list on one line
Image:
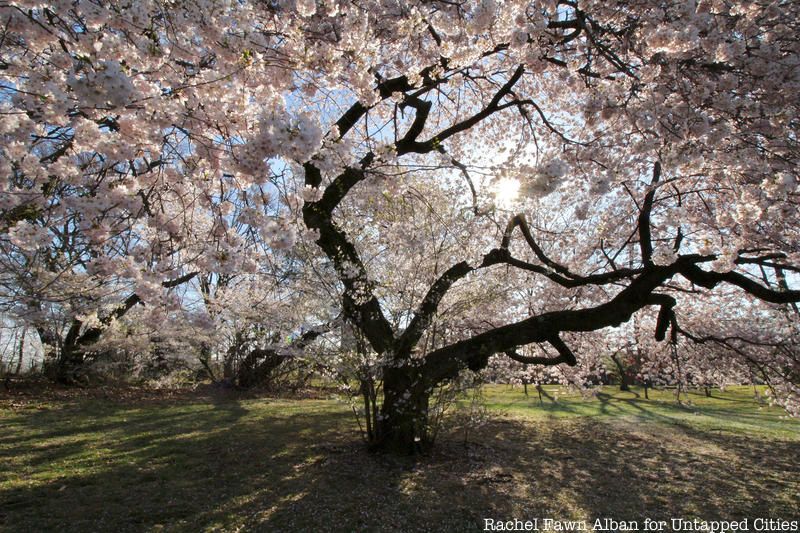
[(225, 465), (575, 469), (673, 412)]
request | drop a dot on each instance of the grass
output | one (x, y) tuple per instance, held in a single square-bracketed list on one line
[(199, 463), (734, 410)]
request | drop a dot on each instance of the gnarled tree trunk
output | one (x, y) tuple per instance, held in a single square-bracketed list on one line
[(258, 366), (403, 424)]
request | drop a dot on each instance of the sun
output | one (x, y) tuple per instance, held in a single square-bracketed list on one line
[(506, 192)]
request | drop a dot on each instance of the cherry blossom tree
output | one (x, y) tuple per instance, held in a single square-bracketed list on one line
[(615, 155), (653, 146)]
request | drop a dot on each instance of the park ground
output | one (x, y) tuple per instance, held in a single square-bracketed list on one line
[(143, 461)]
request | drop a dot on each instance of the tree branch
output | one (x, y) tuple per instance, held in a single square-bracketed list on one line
[(709, 280), (645, 237), (565, 355)]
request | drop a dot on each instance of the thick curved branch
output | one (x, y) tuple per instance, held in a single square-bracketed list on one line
[(360, 304), (645, 237), (341, 185), (492, 107), (423, 109), (92, 334), (259, 363), (666, 315), (476, 350), (565, 355), (768, 260), (520, 221), (430, 303), (385, 89), (709, 280)]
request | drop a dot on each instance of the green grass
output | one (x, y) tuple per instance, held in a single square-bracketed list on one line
[(231, 464), (734, 410)]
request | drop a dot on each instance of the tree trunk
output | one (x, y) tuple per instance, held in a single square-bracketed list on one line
[(69, 365), (623, 381), (21, 352), (403, 423), (64, 355), (258, 366), (205, 357), (368, 419)]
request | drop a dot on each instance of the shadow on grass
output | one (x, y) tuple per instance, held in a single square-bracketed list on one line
[(737, 415), (674, 412), (259, 466)]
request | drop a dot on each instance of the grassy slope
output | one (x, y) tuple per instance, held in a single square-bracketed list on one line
[(280, 465)]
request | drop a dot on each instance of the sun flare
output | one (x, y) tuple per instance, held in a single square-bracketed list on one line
[(506, 192)]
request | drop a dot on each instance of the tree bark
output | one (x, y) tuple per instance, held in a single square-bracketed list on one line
[(68, 364), (62, 359), (403, 424), (258, 366)]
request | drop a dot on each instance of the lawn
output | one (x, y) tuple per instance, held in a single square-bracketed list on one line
[(233, 463)]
